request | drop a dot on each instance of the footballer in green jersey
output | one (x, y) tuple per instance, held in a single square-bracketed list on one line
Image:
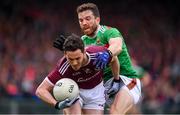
[(104, 33), (96, 34)]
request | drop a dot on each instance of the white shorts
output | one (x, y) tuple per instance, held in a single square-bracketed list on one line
[(93, 98), (135, 92)]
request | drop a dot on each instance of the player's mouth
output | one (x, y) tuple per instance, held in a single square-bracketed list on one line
[(86, 29)]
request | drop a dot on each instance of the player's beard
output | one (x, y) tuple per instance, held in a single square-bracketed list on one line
[(92, 30)]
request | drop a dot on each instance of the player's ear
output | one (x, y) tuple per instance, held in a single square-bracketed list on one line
[(65, 54), (97, 20), (84, 51)]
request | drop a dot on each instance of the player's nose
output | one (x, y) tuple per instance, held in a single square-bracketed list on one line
[(74, 63), (84, 22)]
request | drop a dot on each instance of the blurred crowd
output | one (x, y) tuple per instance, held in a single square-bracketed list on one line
[(150, 30)]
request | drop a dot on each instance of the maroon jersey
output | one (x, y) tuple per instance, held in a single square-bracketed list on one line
[(86, 77)]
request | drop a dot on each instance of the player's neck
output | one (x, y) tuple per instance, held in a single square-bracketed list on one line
[(86, 60)]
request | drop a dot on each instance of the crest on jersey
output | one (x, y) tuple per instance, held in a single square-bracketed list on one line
[(87, 71), (98, 41)]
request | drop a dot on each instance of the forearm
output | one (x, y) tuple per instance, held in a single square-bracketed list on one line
[(44, 93), (115, 46), (46, 97), (115, 67), (114, 49)]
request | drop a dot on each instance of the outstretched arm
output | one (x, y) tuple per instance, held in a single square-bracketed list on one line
[(115, 67), (115, 85)]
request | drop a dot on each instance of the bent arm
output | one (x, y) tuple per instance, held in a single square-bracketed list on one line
[(44, 92), (115, 45)]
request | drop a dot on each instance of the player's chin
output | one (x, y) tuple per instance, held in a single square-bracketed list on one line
[(76, 68), (87, 32)]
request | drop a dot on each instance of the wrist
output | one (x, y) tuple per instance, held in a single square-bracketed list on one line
[(110, 53), (56, 105)]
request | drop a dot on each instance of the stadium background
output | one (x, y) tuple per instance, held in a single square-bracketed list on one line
[(151, 30)]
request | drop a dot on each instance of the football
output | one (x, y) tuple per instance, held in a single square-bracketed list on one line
[(65, 88)]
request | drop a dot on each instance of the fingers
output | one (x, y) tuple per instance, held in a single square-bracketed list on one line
[(110, 91), (58, 43), (96, 59), (99, 62), (103, 65), (61, 36), (74, 100), (98, 65), (61, 39), (102, 59)]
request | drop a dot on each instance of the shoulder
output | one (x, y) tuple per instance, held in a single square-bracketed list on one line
[(95, 49), (108, 29), (63, 63), (111, 32)]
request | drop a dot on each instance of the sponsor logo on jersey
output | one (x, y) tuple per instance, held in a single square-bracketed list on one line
[(81, 79), (76, 73), (87, 71), (98, 42)]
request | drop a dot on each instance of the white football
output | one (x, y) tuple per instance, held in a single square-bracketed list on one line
[(65, 88)]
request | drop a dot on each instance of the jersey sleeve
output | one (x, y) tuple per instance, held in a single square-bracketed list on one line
[(112, 33)]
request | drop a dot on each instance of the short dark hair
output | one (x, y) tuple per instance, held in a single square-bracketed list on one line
[(72, 43), (89, 6)]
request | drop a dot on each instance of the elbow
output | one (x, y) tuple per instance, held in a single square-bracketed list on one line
[(119, 50), (38, 92)]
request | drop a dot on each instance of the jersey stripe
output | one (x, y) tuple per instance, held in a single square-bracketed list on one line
[(64, 64), (64, 67), (102, 29)]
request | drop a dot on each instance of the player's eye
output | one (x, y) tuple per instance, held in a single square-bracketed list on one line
[(78, 58), (80, 20), (74, 59), (88, 18), (71, 59)]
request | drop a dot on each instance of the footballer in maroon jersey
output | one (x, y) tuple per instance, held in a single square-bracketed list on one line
[(86, 76), (77, 64)]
